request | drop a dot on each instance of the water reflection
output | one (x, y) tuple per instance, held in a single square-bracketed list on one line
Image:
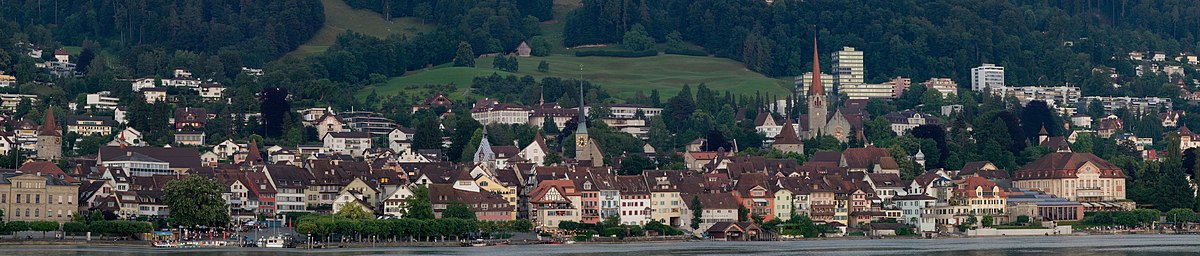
[(1128, 245)]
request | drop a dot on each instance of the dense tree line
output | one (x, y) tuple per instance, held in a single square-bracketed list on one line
[(231, 32), (489, 26), (450, 11), (1039, 42), (323, 228)]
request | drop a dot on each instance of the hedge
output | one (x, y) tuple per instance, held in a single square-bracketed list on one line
[(688, 52), (623, 54)]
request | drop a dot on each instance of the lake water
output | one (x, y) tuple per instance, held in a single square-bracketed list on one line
[(1123, 245)]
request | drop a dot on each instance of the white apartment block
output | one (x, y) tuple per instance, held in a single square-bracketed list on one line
[(1062, 98), (867, 91), (101, 100), (10, 101), (804, 81), (848, 67), (987, 76), (1138, 105)]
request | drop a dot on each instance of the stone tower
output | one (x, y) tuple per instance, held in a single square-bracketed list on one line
[(49, 139)]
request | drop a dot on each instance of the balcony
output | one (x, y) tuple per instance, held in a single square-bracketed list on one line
[(1089, 194)]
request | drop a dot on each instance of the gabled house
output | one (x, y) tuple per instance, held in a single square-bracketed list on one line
[(536, 151), (550, 204), (290, 183), (190, 118), (394, 205), (766, 124), (400, 139)]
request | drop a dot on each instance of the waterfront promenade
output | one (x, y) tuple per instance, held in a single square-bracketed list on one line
[(1127, 245)]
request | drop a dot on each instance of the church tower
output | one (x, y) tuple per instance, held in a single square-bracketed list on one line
[(581, 133), (49, 139), (817, 102)]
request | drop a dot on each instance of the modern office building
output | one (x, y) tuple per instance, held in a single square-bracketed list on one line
[(987, 76), (848, 67)]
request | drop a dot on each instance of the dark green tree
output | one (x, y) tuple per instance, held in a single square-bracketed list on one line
[(635, 164), (428, 135), (418, 205), (1172, 189), (16, 226), (43, 226), (456, 210), (196, 201), (464, 56), (636, 39)]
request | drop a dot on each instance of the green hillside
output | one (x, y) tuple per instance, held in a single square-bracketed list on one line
[(339, 18), (622, 77)]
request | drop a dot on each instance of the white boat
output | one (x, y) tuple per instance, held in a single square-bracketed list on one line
[(479, 243), (272, 242)]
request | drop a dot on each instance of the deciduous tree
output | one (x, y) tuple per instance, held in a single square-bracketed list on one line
[(196, 201)]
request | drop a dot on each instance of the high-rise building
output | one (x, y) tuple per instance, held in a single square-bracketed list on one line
[(986, 77), (804, 81), (848, 67)]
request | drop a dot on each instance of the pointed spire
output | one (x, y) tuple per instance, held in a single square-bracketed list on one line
[(815, 87), (788, 134), (49, 127), (581, 128), (254, 155)]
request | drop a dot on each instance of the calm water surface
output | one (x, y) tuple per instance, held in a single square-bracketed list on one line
[(1124, 245)]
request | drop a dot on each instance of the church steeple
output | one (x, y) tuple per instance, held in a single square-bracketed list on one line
[(818, 109), (816, 88), (583, 113), (581, 133)]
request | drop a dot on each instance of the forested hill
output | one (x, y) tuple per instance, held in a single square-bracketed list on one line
[(1038, 42), (250, 32)]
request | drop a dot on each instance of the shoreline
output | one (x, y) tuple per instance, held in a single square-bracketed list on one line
[(452, 244)]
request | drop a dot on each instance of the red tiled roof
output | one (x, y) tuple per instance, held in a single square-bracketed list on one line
[(788, 134), (1061, 165)]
